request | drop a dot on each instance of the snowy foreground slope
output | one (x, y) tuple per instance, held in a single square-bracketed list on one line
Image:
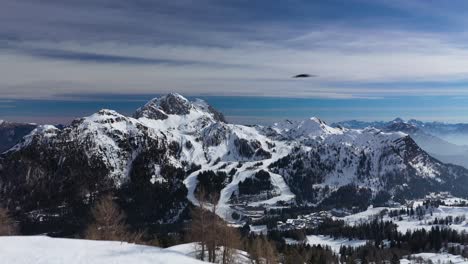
[(192, 250), (46, 250), (153, 162)]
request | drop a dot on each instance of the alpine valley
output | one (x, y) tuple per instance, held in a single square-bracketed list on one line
[(157, 161)]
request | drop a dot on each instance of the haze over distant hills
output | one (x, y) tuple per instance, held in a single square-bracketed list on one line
[(444, 141), (11, 133)]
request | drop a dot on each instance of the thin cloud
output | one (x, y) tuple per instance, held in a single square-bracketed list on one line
[(53, 48), (92, 57)]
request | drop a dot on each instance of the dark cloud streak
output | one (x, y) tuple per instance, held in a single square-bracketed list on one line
[(93, 57), (90, 57)]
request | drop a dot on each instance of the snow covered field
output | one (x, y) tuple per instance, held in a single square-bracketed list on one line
[(46, 250), (259, 229), (364, 216), (334, 244), (413, 223), (441, 258), (440, 213), (191, 250)]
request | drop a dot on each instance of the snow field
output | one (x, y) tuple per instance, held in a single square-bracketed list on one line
[(46, 250)]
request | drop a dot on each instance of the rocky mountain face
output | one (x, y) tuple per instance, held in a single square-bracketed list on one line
[(159, 160), (12, 133), (426, 135), (369, 158)]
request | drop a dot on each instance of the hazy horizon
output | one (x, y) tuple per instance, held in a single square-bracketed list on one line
[(245, 110)]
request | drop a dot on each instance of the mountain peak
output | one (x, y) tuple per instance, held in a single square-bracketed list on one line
[(317, 120), (160, 108), (398, 120), (174, 98), (311, 127), (402, 127)]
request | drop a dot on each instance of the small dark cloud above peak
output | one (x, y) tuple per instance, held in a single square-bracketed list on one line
[(304, 75)]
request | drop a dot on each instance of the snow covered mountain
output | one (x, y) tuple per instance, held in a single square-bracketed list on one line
[(332, 158), (12, 133), (425, 135), (157, 162), (434, 128), (441, 129)]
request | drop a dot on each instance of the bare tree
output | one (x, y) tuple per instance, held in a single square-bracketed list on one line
[(270, 252), (230, 240), (199, 225), (213, 228), (262, 251), (109, 223), (255, 250), (210, 232), (8, 227)]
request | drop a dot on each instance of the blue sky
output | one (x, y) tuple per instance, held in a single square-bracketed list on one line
[(251, 110), (373, 59)]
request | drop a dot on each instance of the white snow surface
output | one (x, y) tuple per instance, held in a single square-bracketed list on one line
[(333, 243), (407, 223), (192, 250), (259, 229), (46, 250), (308, 128), (45, 131), (442, 212), (362, 217), (442, 258)]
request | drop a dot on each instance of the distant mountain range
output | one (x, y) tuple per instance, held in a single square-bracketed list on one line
[(157, 161), (435, 128), (434, 137), (11, 133)]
